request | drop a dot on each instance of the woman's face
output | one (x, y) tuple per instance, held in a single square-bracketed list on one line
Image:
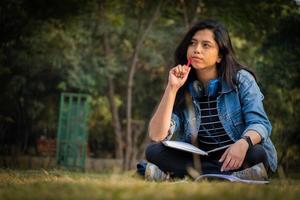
[(203, 50)]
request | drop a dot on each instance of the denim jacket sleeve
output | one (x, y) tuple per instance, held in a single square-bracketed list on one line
[(252, 106), (174, 126)]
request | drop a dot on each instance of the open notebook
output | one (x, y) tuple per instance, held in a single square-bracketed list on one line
[(190, 148), (193, 149)]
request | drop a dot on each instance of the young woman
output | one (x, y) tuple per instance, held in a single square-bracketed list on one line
[(214, 102)]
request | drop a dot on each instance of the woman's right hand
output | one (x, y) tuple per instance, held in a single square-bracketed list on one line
[(178, 75)]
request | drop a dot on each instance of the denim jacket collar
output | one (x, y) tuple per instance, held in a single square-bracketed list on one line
[(225, 87), (195, 89)]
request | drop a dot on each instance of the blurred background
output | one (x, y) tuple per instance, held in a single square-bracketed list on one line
[(116, 54)]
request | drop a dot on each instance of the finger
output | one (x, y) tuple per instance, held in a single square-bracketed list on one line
[(224, 155), (185, 68), (180, 68), (230, 165), (233, 165), (176, 71), (225, 163), (181, 71), (173, 70), (187, 71)]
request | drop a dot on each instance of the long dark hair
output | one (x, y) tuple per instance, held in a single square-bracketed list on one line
[(227, 68)]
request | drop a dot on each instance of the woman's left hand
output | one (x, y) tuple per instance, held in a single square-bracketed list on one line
[(234, 156)]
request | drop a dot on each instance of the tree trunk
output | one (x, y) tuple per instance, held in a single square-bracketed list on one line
[(113, 108), (138, 128), (131, 71), (111, 94), (115, 120), (185, 15)]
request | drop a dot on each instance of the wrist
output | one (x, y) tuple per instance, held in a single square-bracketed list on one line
[(244, 143), (247, 140), (172, 88)]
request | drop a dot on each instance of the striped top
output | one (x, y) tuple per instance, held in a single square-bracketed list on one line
[(211, 132)]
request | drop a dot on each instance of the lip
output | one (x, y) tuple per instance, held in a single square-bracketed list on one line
[(197, 59)]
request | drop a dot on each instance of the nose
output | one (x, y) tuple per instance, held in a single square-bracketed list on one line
[(197, 49)]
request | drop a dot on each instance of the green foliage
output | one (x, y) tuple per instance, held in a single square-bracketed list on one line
[(280, 75), (101, 137)]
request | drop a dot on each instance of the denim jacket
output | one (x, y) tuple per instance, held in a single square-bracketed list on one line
[(240, 110)]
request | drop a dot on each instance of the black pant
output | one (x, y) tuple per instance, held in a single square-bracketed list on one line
[(176, 161)]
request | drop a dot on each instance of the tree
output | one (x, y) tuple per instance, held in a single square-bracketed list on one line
[(281, 73)]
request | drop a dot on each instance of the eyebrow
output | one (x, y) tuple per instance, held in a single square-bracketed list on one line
[(193, 39)]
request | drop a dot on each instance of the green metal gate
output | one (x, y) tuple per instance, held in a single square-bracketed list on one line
[(72, 131)]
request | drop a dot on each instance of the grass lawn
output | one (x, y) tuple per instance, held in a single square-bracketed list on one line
[(55, 184)]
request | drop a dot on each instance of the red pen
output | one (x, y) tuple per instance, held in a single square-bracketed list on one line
[(189, 62)]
